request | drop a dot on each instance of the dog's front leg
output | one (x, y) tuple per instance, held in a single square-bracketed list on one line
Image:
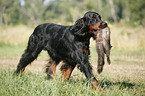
[(86, 68)]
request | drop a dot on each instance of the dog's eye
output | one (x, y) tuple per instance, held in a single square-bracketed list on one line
[(94, 16)]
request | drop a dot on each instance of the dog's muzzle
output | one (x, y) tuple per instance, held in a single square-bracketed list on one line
[(104, 25)]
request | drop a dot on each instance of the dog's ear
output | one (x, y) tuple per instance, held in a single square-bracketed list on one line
[(87, 18), (84, 19), (79, 26)]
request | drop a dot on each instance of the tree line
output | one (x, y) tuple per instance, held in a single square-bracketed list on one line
[(34, 12)]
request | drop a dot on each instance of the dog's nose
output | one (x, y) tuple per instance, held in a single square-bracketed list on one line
[(104, 24)]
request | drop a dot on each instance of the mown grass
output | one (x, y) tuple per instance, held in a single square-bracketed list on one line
[(34, 84), (124, 77)]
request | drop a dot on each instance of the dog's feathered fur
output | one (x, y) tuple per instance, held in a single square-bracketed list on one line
[(69, 44)]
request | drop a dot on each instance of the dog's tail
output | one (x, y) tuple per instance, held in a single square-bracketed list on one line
[(33, 49)]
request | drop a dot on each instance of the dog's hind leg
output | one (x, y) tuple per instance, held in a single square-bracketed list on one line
[(51, 67), (67, 70), (30, 54)]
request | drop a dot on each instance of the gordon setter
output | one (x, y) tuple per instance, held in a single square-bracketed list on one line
[(69, 44)]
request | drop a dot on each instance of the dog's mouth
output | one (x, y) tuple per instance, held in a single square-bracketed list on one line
[(97, 26), (103, 25)]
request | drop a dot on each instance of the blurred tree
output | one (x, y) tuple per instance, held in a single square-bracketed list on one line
[(136, 9), (4, 5), (68, 11), (113, 10), (100, 4), (33, 10)]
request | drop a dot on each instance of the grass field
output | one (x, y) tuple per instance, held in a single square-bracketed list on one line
[(124, 77)]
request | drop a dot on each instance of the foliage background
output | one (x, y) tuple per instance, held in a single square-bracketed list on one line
[(67, 11)]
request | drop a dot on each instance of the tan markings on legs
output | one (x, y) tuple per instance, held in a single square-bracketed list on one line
[(22, 70), (96, 85), (67, 73), (53, 68)]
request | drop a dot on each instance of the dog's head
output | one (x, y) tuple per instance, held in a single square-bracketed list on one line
[(94, 22), (91, 21)]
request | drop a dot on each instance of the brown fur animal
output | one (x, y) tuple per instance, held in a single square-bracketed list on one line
[(103, 47)]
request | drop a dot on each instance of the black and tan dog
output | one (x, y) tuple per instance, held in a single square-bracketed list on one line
[(69, 44)]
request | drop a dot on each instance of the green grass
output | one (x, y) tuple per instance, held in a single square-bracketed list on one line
[(124, 77), (34, 84)]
